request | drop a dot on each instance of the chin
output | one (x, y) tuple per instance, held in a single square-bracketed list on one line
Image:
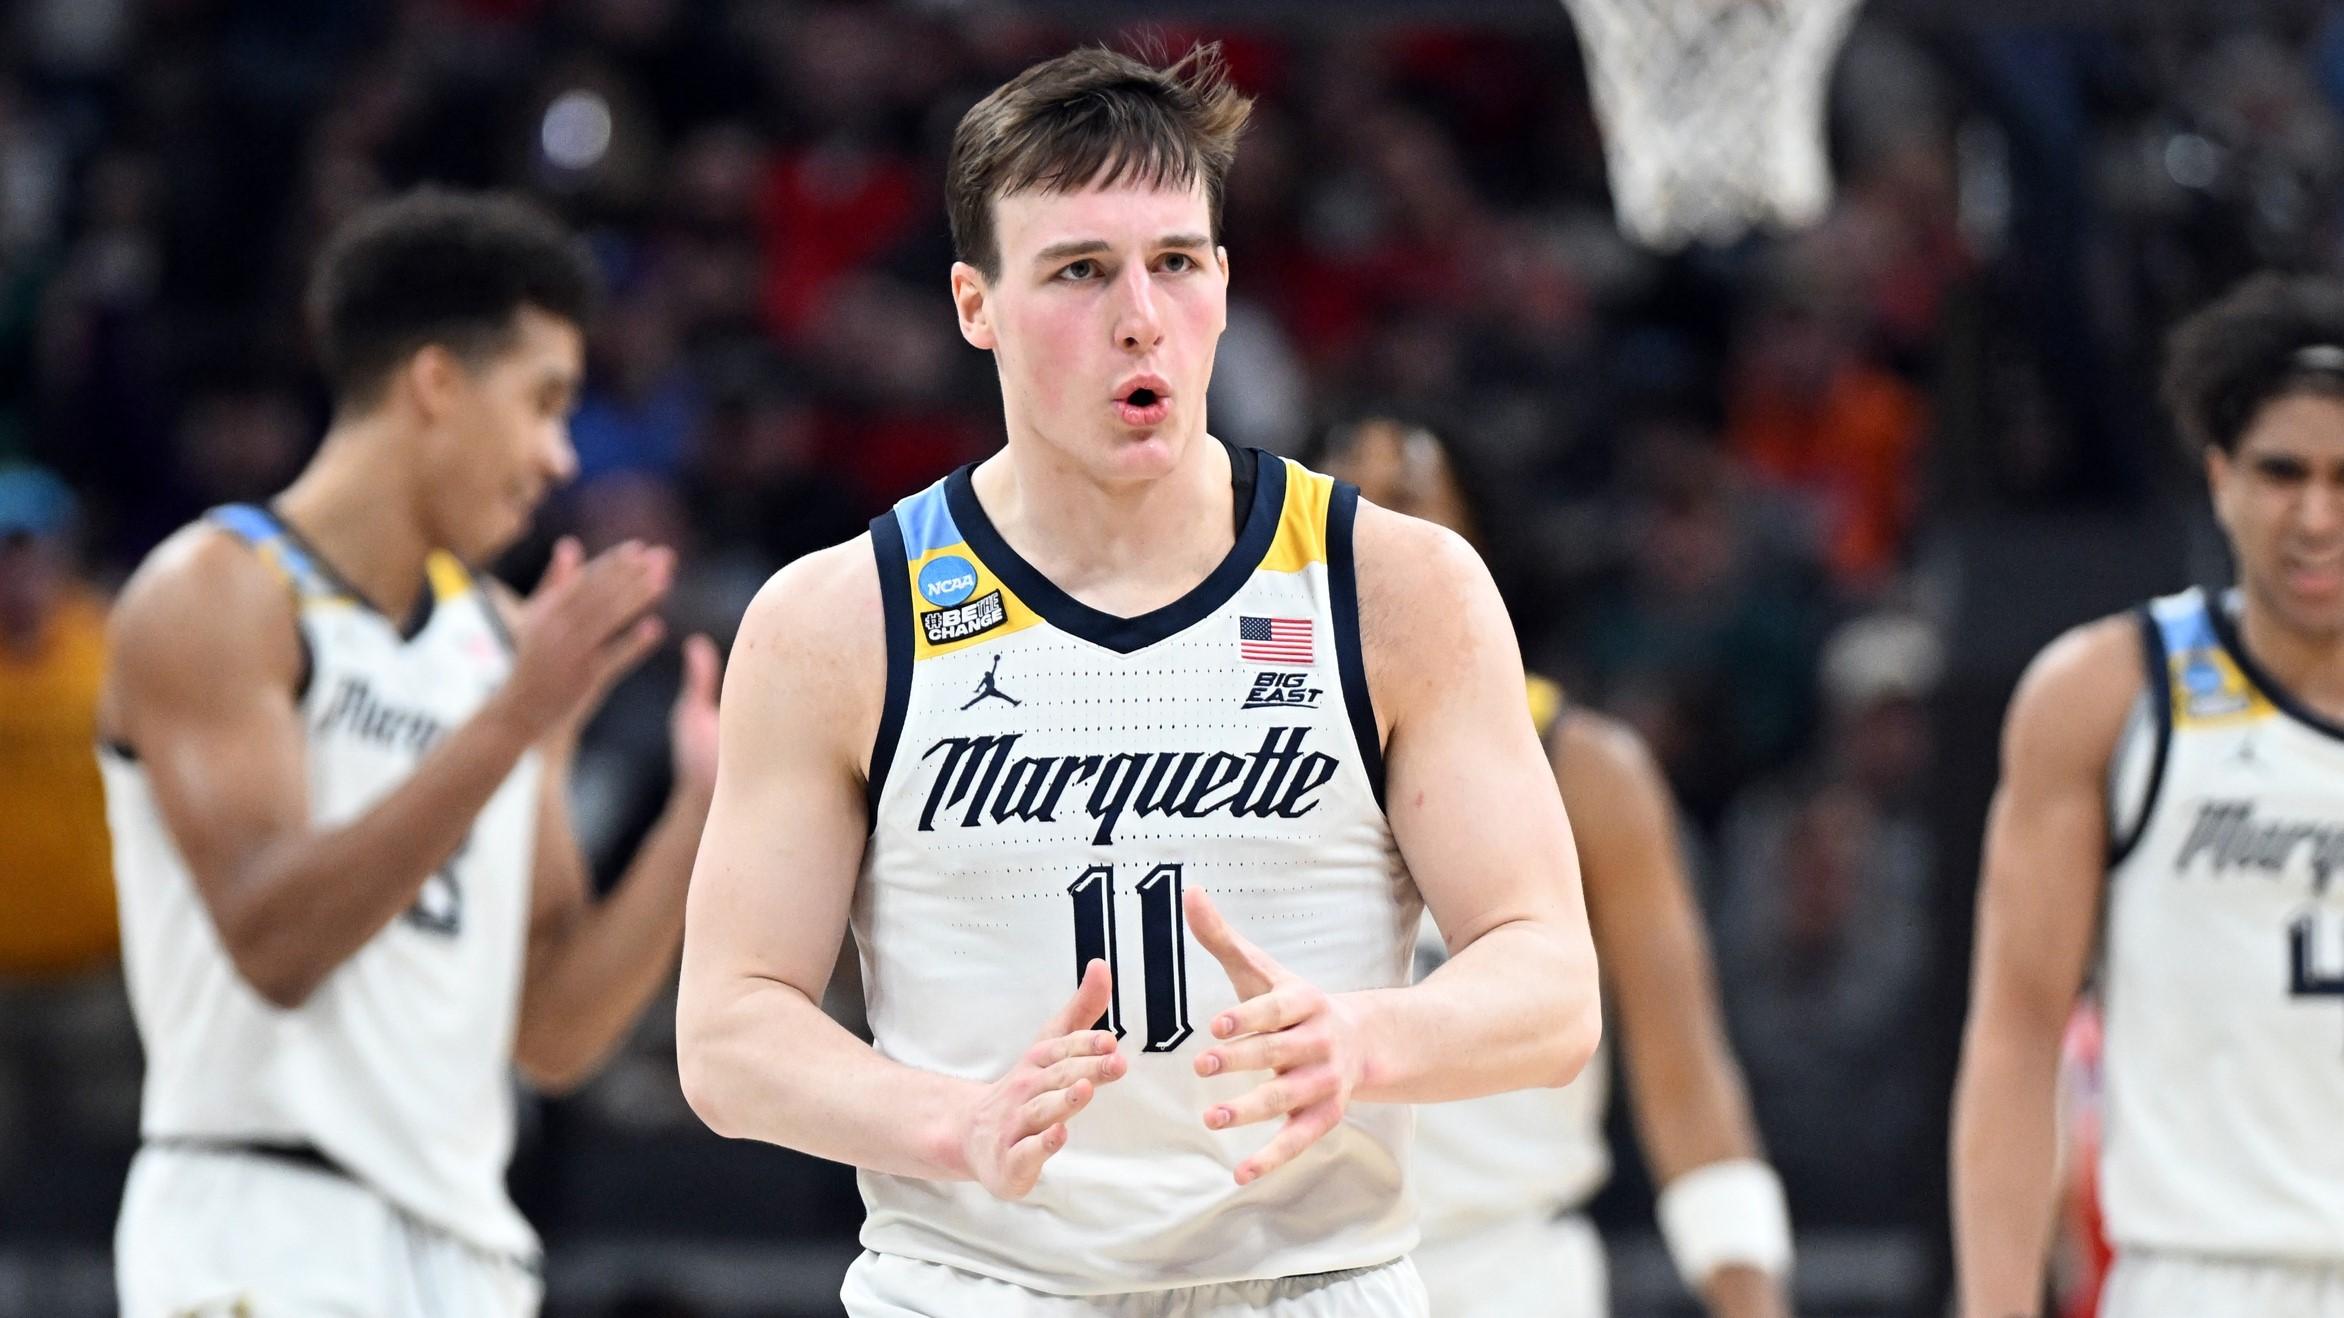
[(1142, 454)]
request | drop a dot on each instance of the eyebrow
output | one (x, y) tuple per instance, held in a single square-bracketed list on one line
[(1092, 246)]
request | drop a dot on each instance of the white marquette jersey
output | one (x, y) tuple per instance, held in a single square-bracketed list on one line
[(397, 1069), (2223, 961), (1527, 1154), (1046, 781)]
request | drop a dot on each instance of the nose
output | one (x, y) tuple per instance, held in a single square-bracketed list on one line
[(1138, 325)]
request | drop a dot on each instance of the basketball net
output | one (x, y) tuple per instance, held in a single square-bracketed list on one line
[(1712, 111)]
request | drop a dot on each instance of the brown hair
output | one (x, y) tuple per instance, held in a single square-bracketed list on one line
[(1092, 117)]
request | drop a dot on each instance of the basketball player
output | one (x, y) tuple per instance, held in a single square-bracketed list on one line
[(2173, 796), (1502, 1180), (1253, 711), (335, 766)]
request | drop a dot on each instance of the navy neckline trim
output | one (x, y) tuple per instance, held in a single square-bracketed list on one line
[(418, 617), (1126, 635), (2226, 631)]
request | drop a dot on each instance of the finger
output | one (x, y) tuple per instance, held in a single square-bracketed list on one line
[(1082, 1043), (1275, 1097), (1306, 1128), (1054, 1106), (1089, 1003), (615, 594), (1250, 969), (1022, 1166), (1282, 1008), (700, 670), (1281, 1050), (562, 567), (1095, 1070), (620, 656)]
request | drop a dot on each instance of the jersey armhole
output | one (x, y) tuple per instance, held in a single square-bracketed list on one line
[(2125, 833), (1350, 662), (895, 600)]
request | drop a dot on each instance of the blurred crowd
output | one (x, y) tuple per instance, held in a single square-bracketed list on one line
[(1716, 478)]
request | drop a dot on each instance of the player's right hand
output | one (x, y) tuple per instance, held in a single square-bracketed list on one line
[(584, 626), (1020, 1119)]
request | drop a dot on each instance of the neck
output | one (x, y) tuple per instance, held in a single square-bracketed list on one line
[(2311, 668), (1135, 544), (354, 506)]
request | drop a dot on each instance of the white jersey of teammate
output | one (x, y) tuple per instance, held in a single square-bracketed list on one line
[(1046, 780), (397, 1069), (1528, 1155), (2223, 968)]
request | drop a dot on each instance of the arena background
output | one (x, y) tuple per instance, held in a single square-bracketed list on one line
[(1799, 507)]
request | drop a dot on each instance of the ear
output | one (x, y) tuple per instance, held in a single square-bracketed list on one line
[(434, 379), (1221, 258), (971, 297), (2220, 470)]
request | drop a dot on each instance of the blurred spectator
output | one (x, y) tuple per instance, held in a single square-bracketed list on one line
[(1810, 413), (1704, 641), (63, 1053), (57, 893), (1823, 941)]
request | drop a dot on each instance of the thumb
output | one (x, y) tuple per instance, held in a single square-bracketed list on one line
[(1251, 971), (562, 566), (1089, 1003), (701, 670)]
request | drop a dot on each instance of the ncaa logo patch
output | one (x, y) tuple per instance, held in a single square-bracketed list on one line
[(948, 580)]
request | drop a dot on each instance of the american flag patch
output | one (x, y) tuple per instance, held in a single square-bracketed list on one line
[(1274, 640)]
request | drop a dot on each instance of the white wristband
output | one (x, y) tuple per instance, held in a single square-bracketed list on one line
[(1726, 1213)]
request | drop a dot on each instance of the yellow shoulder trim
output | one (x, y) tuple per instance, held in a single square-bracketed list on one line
[(449, 579), (1302, 523), (982, 609), (1546, 702)]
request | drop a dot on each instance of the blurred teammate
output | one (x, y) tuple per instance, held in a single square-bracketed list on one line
[(2186, 761), (1502, 1180), (1017, 736), (335, 766)]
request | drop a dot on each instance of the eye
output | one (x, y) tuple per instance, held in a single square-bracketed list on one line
[(1178, 263), (1079, 270)]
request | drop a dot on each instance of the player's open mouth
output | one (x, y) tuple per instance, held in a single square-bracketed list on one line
[(1144, 402)]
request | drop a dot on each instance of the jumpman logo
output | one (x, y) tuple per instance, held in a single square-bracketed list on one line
[(987, 687)]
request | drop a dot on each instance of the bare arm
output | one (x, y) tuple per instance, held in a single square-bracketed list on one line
[(2038, 906), (1685, 1087), (593, 965), (768, 907), (201, 685), (1474, 809)]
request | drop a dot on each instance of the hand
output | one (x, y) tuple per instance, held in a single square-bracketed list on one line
[(1020, 1119), (691, 724), (1737, 1291), (582, 628), (1283, 1024)]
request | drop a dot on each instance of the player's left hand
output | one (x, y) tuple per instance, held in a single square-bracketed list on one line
[(1284, 1024), (691, 724)]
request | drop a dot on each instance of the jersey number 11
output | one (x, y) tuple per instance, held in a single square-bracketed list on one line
[(1163, 938)]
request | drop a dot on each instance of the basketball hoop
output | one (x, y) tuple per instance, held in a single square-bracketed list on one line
[(1712, 111)]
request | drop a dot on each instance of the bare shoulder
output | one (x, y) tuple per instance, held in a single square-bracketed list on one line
[(1428, 611), (1598, 754), (203, 609), (2072, 703), (815, 639)]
